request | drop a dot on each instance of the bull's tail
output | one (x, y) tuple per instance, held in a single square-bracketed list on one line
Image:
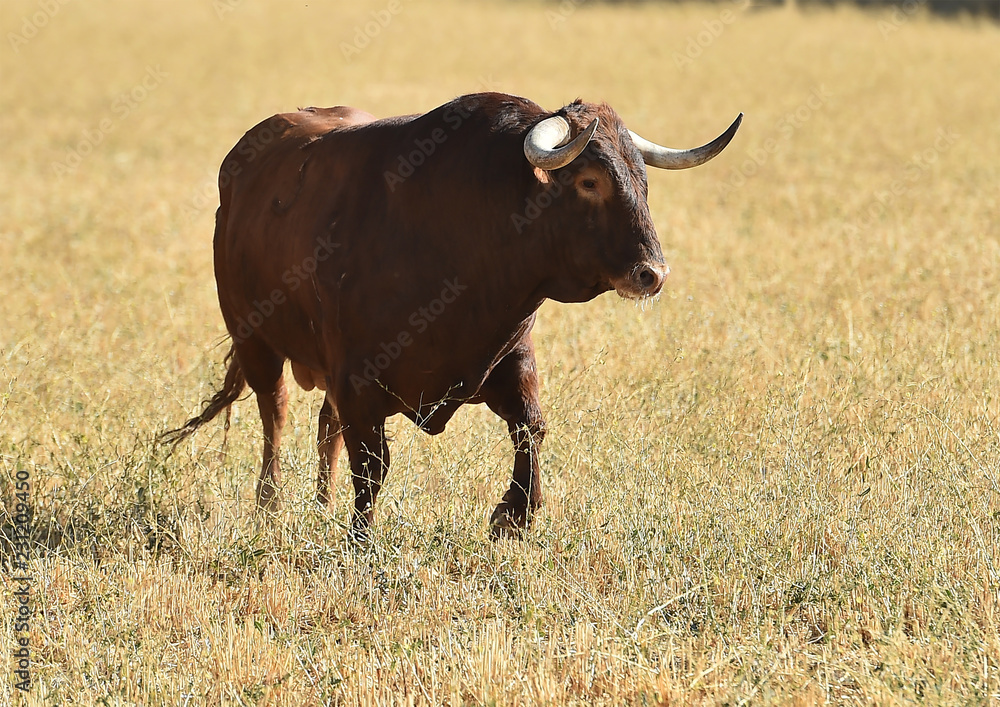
[(232, 388)]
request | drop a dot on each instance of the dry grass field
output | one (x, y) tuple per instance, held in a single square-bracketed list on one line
[(779, 483)]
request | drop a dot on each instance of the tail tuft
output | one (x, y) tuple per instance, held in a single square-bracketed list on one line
[(232, 388)]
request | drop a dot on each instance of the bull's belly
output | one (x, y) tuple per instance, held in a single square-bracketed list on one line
[(429, 400)]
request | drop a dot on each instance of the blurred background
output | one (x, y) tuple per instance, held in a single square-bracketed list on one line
[(777, 482)]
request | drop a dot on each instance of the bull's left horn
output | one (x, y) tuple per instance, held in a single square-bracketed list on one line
[(541, 141), (665, 158)]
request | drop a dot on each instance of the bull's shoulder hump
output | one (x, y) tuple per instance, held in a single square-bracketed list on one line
[(332, 118), (306, 124)]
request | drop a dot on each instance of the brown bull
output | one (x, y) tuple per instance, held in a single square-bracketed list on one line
[(399, 263)]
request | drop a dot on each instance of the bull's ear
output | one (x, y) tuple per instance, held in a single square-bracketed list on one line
[(542, 141), (542, 176), (666, 158)]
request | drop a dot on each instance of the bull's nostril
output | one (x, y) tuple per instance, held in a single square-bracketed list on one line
[(647, 279)]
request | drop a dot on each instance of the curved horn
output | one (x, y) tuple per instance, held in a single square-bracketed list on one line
[(665, 158), (540, 144)]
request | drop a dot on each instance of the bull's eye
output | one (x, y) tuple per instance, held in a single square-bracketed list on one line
[(589, 183)]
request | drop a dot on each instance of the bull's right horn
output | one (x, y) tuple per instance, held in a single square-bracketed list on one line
[(540, 144)]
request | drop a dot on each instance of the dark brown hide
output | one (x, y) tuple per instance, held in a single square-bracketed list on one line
[(398, 264)]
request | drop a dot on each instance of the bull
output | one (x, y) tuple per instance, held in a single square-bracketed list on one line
[(399, 264)]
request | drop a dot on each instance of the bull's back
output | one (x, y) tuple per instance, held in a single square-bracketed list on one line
[(318, 121), (263, 237), (278, 137)]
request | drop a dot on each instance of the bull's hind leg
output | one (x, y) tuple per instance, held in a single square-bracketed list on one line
[(263, 367), (511, 391), (330, 440)]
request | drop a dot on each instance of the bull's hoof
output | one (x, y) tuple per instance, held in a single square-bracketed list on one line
[(359, 538), (509, 522), (361, 525)]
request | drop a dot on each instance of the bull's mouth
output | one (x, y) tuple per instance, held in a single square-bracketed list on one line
[(626, 290)]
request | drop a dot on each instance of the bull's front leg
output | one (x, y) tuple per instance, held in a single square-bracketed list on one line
[(511, 391)]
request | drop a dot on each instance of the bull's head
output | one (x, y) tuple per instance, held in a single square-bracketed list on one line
[(601, 176)]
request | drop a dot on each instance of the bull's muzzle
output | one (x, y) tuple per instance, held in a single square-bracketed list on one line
[(646, 280)]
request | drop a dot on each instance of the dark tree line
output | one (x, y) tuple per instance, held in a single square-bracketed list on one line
[(941, 7)]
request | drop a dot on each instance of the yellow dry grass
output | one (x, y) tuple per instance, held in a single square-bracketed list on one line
[(777, 484)]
